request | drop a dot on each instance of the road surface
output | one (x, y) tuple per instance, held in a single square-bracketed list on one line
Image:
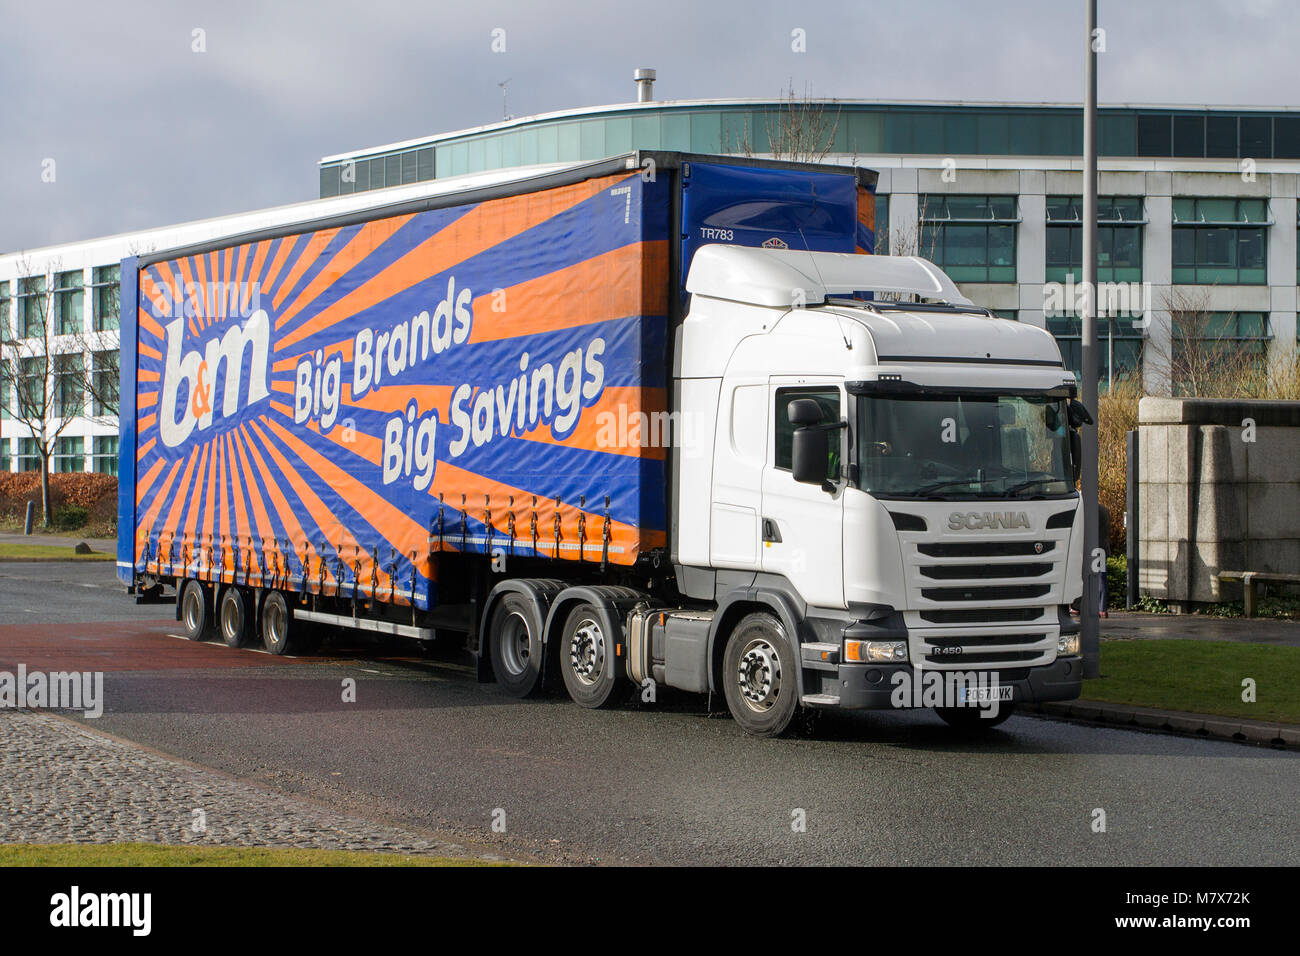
[(426, 747)]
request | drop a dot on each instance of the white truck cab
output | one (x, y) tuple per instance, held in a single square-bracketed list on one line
[(894, 479)]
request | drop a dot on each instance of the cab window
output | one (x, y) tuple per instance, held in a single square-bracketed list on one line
[(829, 400)]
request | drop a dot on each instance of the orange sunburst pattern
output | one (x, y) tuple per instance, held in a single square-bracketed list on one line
[(332, 409)]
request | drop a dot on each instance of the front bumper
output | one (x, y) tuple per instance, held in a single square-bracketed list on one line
[(871, 686)]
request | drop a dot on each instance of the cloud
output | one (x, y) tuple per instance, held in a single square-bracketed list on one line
[(146, 132)]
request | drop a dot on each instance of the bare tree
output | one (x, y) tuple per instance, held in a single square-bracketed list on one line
[(799, 129), (1205, 357)]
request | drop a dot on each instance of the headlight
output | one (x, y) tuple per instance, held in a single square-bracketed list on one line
[(875, 652), (1067, 644)]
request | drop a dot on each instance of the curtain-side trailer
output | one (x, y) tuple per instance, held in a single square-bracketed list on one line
[(656, 419)]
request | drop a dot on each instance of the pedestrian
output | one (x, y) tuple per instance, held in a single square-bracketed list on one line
[(1103, 542)]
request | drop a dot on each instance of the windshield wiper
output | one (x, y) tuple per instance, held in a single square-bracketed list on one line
[(1029, 484), (927, 489)]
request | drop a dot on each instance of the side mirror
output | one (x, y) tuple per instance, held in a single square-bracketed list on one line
[(803, 412), (809, 452), (1079, 414), (1076, 453)]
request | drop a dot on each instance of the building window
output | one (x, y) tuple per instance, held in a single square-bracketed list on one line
[(1011, 314), (32, 308), (104, 460), (5, 464), (1211, 347), (69, 302), (1220, 241), (69, 455), (29, 455), (5, 301), (972, 238), (1119, 238), (106, 297), (1118, 336), (69, 392), (104, 384), (30, 391)]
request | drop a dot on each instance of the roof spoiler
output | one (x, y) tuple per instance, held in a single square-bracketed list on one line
[(782, 277)]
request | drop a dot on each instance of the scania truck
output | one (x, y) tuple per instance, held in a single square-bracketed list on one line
[(662, 420)]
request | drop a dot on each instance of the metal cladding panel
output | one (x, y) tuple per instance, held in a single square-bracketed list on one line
[(774, 208), (334, 407)]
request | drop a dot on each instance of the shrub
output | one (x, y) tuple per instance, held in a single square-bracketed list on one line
[(70, 517)]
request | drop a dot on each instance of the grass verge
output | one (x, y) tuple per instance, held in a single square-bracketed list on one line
[(12, 551), (1203, 677), (153, 854)]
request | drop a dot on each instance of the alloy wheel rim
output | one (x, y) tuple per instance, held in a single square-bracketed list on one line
[(587, 652), (758, 675)]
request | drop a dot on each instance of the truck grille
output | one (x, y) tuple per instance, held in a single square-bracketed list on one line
[(969, 658), (984, 602), (981, 615), (984, 549), (949, 572), (1013, 592)]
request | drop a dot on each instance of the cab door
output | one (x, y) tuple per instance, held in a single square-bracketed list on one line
[(802, 525)]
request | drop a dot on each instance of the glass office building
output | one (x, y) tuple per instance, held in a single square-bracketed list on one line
[(1197, 212)]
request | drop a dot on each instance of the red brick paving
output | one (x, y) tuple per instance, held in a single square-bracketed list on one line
[(118, 646)]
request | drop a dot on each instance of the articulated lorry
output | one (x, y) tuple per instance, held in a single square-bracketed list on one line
[(661, 420)]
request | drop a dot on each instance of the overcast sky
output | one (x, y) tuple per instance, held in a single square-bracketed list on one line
[(145, 132)]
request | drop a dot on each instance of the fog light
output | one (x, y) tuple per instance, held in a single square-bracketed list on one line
[(1067, 644), (865, 652)]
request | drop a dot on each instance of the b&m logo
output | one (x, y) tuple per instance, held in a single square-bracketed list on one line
[(219, 381)]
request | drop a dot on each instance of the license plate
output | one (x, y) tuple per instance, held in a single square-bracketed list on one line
[(986, 695)]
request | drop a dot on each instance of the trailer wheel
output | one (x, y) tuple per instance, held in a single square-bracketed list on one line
[(972, 719), (232, 617), (588, 660), (196, 611), (514, 637), (759, 678), (276, 620)]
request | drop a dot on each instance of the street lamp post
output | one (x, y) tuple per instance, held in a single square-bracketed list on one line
[(1088, 616)]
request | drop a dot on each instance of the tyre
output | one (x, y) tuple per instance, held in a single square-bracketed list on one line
[(276, 624), (760, 680), (196, 611), (587, 657), (515, 644), (233, 617), (972, 719)]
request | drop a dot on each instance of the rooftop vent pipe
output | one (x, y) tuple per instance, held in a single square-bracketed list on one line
[(645, 81)]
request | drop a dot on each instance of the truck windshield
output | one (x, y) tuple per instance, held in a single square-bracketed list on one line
[(951, 446)]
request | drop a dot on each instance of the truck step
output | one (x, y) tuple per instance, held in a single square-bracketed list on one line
[(820, 700)]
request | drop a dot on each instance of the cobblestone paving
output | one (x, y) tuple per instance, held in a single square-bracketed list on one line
[(61, 783)]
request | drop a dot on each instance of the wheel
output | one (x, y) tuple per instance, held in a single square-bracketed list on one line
[(759, 678), (588, 661), (972, 718), (514, 645), (276, 620), (232, 617), (196, 611)]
